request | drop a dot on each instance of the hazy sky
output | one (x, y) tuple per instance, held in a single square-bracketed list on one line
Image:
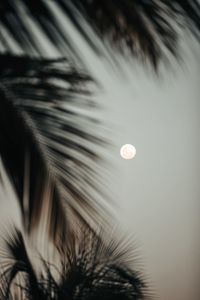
[(157, 193)]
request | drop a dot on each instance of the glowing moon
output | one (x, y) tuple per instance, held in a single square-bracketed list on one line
[(128, 151)]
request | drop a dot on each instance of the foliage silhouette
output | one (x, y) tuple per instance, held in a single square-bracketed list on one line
[(49, 150)]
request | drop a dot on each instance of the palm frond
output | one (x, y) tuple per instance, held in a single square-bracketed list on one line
[(48, 148), (90, 269), (94, 267), (147, 28), (16, 249)]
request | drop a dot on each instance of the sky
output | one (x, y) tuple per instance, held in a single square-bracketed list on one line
[(158, 191), (155, 195)]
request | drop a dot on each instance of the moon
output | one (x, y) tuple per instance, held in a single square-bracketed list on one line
[(127, 151)]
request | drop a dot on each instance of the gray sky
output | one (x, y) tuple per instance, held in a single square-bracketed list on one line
[(157, 193)]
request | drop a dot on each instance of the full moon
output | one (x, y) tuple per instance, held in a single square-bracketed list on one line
[(128, 151)]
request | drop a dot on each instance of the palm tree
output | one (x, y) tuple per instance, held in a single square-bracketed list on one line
[(45, 144)]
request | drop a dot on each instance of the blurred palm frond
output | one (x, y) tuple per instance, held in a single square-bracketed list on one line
[(148, 28), (45, 144)]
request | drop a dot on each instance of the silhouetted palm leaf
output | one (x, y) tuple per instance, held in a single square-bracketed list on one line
[(147, 28), (45, 143), (90, 269)]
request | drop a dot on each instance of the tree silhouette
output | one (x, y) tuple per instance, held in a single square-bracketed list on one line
[(45, 145)]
